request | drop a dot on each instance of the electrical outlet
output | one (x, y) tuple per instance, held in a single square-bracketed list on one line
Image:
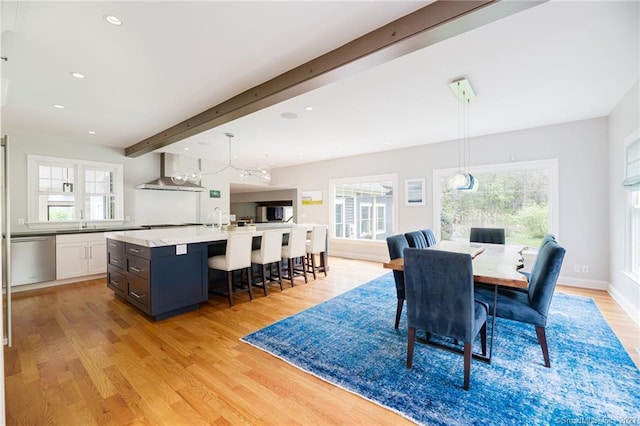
[(576, 268), (20, 221), (585, 269)]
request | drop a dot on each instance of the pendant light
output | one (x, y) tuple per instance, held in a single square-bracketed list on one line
[(463, 180), (261, 173)]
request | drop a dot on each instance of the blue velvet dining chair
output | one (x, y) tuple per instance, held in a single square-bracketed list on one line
[(396, 244), (545, 240), (530, 305), (416, 239), (440, 301), (429, 236), (487, 235)]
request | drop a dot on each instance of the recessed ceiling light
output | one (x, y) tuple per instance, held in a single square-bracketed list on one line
[(289, 115), (77, 75), (58, 106), (91, 132), (186, 148), (308, 108), (113, 20)]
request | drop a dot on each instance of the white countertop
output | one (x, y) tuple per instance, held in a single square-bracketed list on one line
[(180, 235)]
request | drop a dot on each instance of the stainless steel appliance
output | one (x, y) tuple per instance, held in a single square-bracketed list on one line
[(261, 214), (33, 260)]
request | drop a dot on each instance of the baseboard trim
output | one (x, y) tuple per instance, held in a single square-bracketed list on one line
[(583, 283), (359, 256), (624, 303), (37, 286)]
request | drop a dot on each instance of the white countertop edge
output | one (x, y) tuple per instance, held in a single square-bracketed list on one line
[(181, 235)]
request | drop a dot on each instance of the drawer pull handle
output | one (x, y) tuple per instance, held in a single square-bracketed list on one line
[(136, 295), (134, 250), (134, 269), (114, 282), (115, 261), (113, 245)]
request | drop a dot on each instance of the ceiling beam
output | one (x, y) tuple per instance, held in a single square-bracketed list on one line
[(435, 22)]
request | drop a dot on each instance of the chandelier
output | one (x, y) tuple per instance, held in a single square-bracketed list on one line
[(261, 173)]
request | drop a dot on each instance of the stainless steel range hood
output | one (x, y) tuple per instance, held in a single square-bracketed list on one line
[(168, 164)]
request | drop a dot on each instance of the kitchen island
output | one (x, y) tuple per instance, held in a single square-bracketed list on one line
[(163, 272)]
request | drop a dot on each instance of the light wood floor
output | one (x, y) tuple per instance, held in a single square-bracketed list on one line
[(82, 357)]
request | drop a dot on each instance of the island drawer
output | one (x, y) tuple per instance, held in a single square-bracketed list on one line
[(139, 292), (140, 251), (138, 266), (116, 281)]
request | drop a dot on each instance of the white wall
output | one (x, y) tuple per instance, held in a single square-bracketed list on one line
[(623, 121), (580, 147), (141, 206)]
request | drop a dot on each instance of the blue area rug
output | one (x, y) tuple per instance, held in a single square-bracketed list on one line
[(350, 341)]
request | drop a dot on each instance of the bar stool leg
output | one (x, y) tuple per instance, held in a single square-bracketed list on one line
[(264, 279), (280, 275), (230, 286)]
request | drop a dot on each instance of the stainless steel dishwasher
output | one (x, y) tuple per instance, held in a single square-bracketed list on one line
[(33, 259)]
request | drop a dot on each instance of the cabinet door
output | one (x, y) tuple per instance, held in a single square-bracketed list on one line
[(97, 257), (70, 260)]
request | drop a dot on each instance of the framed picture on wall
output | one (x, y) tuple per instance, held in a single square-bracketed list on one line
[(414, 192)]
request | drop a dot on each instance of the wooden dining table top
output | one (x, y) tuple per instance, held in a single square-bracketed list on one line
[(495, 264)]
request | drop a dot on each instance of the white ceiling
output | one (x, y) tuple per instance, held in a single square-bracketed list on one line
[(556, 62)]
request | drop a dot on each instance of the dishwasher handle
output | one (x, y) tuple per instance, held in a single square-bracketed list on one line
[(29, 239)]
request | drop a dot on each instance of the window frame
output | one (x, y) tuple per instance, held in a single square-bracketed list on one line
[(393, 178), (33, 189), (553, 191), (632, 264)]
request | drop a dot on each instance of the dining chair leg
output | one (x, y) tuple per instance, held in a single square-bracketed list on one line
[(399, 312), (411, 340), (542, 340), (483, 338), (467, 364), (230, 286)]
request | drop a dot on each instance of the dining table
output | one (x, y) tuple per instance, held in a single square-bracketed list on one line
[(493, 264)]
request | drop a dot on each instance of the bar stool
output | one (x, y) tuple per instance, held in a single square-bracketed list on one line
[(237, 257), (296, 249), (317, 245), (268, 254)]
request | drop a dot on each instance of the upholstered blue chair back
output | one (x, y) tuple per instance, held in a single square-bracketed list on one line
[(439, 293), (416, 239), (429, 236), (396, 244), (487, 235), (544, 276)]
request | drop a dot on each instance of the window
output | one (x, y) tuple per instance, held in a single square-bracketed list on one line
[(363, 207), (634, 252), (63, 190), (381, 221), (339, 219), (520, 197), (366, 210)]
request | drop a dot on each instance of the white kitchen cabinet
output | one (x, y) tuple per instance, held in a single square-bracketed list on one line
[(80, 254)]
